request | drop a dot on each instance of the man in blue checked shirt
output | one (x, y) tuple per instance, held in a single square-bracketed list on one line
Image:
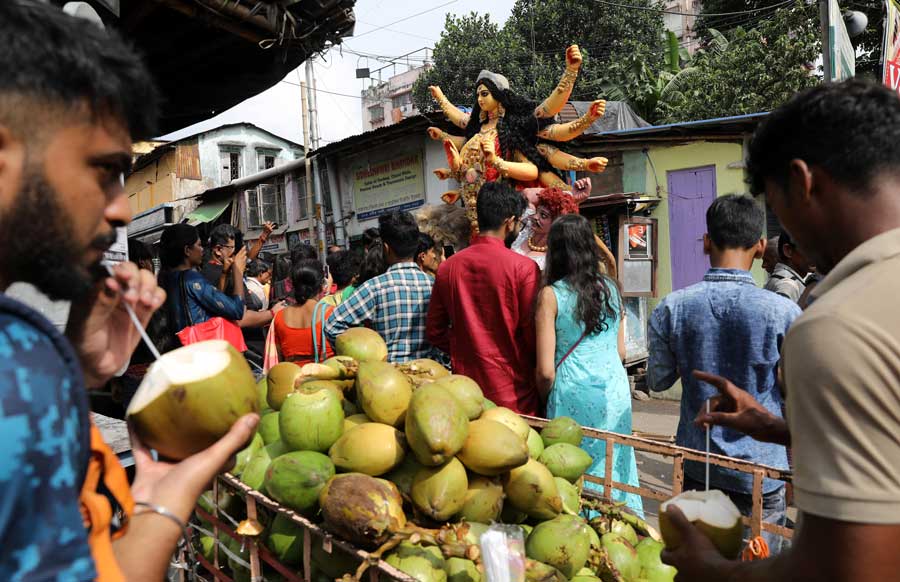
[(395, 303)]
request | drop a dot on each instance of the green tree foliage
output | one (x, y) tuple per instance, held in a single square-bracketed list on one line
[(530, 48), (757, 70), (868, 44), (468, 44)]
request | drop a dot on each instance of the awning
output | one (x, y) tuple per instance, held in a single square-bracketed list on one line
[(208, 211)]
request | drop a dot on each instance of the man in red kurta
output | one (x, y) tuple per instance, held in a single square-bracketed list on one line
[(482, 305)]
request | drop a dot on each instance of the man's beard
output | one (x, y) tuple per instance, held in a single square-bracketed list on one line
[(37, 244), (513, 235)]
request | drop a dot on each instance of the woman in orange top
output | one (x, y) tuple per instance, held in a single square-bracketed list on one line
[(295, 337)]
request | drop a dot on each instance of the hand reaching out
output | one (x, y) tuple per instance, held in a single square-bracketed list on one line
[(737, 409)]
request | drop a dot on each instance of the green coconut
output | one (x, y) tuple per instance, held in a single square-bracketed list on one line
[(484, 500), (462, 570), (383, 392), (563, 429), (566, 461), (311, 421), (371, 448), (254, 474), (295, 479), (626, 531), (535, 444), (244, 455), (713, 513), (536, 571), (571, 500), (285, 540), (280, 382), (402, 476), (191, 397), (344, 365), (466, 391), (268, 427), (488, 404), (361, 509), (531, 488), (507, 417), (440, 492), (424, 563), (261, 389), (362, 344), (652, 567), (492, 449), (436, 425), (562, 542), (206, 546), (622, 555)]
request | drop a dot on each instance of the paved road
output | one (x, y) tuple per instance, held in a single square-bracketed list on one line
[(658, 417)]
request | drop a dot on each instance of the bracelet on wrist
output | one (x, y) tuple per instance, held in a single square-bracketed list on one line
[(160, 510)]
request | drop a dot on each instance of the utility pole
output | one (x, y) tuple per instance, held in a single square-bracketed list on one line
[(337, 213), (304, 113), (314, 135)]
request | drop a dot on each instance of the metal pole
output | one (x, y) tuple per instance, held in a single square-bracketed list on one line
[(340, 236), (317, 184), (827, 65), (307, 163)]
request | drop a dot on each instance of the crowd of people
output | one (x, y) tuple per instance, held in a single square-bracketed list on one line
[(536, 320)]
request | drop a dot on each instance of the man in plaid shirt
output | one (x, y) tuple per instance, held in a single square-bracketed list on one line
[(395, 303)]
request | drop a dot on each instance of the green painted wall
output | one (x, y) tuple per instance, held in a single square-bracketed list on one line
[(634, 174)]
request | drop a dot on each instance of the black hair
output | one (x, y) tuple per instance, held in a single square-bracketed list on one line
[(850, 130), (282, 268), (307, 276), (399, 231), (138, 251), (304, 252), (574, 257), (426, 243), (257, 268), (371, 236), (784, 240), (172, 243), (497, 201), (343, 265), (54, 59), (221, 234), (517, 129), (735, 221), (372, 264)]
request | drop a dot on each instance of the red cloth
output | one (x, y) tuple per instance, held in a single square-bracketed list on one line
[(482, 313), (296, 344)]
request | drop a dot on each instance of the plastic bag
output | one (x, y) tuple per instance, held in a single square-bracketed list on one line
[(503, 553)]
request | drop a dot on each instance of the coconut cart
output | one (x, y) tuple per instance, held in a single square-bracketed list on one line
[(242, 554)]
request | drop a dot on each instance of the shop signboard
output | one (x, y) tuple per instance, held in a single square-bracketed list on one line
[(395, 183), (891, 51)]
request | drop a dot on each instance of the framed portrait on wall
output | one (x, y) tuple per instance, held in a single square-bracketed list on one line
[(637, 256)]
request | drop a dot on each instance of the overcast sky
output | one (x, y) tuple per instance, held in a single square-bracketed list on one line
[(278, 109)]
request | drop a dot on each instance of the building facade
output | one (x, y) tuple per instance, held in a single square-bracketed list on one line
[(170, 179), (386, 103)]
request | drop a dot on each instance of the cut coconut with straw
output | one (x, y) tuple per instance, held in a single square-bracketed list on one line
[(191, 396), (713, 513)]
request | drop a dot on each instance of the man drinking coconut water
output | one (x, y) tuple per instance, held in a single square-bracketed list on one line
[(72, 98)]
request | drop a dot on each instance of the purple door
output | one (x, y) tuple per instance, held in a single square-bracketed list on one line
[(690, 194)]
